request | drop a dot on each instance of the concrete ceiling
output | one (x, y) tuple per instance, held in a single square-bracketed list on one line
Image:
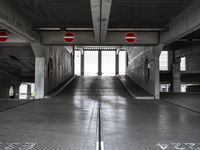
[(18, 61), (124, 13), (145, 13), (56, 13)]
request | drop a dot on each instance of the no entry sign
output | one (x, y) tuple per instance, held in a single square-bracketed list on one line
[(3, 36), (69, 37), (130, 37)]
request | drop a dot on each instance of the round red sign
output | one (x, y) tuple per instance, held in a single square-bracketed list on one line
[(3, 36), (69, 37), (130, 37)]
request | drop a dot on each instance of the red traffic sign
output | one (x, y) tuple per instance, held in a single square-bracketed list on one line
[(69, 37), (130, 37), (3, 36)]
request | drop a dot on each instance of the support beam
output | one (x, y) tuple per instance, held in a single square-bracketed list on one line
[(186, 22), (39, 70), (99, 62), (28, 91), (13, 20), (73, 61), (117, 62), (96, 17), (176, 75), (106, 7), (39, 77), (82, 62), (87, 38)]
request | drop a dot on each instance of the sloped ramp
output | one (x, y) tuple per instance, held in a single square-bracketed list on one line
[(135, 90)]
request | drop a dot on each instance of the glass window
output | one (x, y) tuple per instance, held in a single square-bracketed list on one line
[(183, 64), (164, 60)]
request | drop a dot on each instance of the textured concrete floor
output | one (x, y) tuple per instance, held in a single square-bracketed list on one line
[(69, 121), (189, 101), (8, 104)]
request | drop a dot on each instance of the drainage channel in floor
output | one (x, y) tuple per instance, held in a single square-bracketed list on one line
[(99, 143)]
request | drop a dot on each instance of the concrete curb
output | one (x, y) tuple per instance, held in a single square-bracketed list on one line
[(58, 91), (132, 94)]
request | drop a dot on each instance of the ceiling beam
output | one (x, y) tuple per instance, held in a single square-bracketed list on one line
[(87, 38), (96, 18), (105, 15), (109, 29), (100, 16), (13, 20), (185, 23)]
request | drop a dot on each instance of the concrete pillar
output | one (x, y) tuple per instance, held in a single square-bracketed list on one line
[(157, 78), (28, 91), (126, 59), (16, 89), (116, 62), (82, 62), (170, 68), (38, 50), (73, 61), (99, 62), (39, 77), (176, 75)]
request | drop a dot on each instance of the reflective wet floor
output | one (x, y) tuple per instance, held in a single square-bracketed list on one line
[(70, 121)]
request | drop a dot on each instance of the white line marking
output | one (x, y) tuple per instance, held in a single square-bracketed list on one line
[(69, 37), (130, 37), (3, 36)]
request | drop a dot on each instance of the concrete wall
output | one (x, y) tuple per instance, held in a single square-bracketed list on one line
[(193, 63), (5, 84), (141, 61), (61, 66)]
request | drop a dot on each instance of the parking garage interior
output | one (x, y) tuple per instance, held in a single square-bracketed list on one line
[(100, 75)]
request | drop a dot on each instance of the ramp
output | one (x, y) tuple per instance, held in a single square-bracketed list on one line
[(135, 90)]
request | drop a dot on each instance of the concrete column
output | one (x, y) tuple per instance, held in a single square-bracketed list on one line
[(176, 75), (39, 77), (73, 61), (82, 62), (99, 62), (170, 68), (16, 89), (126, 58), (28, 91), (116, 62)]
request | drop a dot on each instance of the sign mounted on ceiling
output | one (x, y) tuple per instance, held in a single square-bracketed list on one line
[(69, 37), (130, 37), (3, 36)]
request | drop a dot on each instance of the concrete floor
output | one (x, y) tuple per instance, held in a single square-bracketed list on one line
[(190, 101), (70, 121)]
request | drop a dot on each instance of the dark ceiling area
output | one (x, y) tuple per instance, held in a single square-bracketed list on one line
[(145, 13), (18, 61), (56, 13)]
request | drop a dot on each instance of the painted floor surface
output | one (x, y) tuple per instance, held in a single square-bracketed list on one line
[(69, 121)]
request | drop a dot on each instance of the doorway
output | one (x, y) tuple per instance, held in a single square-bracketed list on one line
[(91, 63), (108, 63)]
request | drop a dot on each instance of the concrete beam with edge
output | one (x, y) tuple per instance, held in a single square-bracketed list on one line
[(14, 21), (186, 22), (87, 38)]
